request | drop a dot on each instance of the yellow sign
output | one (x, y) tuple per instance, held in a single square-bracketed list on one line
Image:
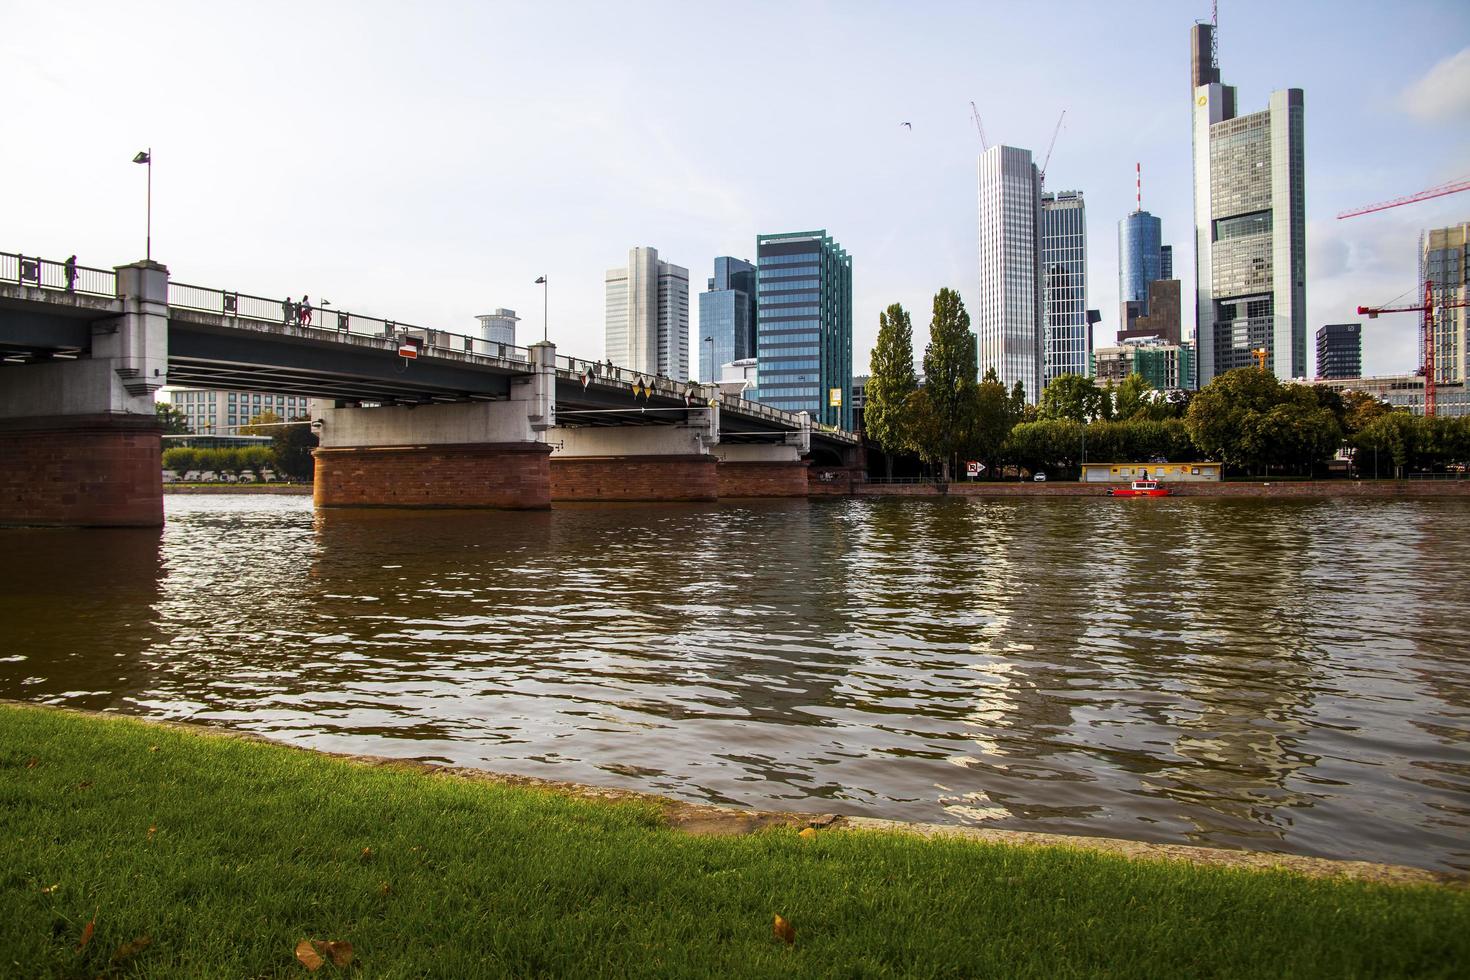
[(1201, 100), (834, 397)]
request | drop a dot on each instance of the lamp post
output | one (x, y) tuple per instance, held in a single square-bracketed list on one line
[(545, 302), (145, 157), (711, 342)]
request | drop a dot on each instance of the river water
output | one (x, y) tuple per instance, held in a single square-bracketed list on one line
[(1277, 675)]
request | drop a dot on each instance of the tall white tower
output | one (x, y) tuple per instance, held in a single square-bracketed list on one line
[(647, 315), (1008, 321)]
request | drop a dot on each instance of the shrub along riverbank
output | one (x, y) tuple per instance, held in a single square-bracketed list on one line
[(147, 849)]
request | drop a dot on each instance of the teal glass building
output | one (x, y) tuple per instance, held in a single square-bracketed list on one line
[(804, 325)]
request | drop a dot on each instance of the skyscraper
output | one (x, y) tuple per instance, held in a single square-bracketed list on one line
[(1140, 260), (727, 317), (648, 315), (1249, 225), (1067, 337), (804, 325), (1445, 261), (1009, 318), (1340, 350)]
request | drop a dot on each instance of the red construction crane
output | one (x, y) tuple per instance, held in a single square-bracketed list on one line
[(1453, 187), (1427, 308)]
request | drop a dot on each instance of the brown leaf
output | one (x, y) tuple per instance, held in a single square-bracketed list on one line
[(86, 935), (784, 931), (129, 950), (85, 784), (340, 952), (32, 762), (385, 889), (152, 829), (152, 748), (807, 832), (367, 854), (50, 888), (307, 954)]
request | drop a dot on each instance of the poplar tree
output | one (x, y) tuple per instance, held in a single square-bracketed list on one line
[(888, 397), (950, 370)]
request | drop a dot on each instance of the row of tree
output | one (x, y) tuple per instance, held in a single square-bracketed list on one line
[(231, 460), (1246, 418)]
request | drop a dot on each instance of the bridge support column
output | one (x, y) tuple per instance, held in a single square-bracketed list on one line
[(462, 454), (80, 437), (637, 462), (761, 471)]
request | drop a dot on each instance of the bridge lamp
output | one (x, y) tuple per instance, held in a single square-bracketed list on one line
[(146, 157), (712, 368), (545, 289)]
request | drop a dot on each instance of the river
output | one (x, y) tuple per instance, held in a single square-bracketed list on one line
[(1277, 675)]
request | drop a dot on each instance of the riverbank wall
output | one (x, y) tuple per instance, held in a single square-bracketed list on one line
[(1297, 489), (269, 489)]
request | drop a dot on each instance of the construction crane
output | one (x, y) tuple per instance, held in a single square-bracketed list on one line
[(979, 127), (1427, 308), (1260, 354), (1053, 145), (1453, 187)]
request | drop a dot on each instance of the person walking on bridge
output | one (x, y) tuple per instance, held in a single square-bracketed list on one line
[(304, 311), (70, 270), (288, 311)]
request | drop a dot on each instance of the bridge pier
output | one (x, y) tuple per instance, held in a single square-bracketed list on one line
[(484, 454), (638, 462), (81, 435), (761, 471)]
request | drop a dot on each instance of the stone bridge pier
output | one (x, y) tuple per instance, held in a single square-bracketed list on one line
[(80, 436), (484, 454), (671, 461), (769, 468)]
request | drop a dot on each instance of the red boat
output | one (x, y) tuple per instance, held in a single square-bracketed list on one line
[(1142, 488)]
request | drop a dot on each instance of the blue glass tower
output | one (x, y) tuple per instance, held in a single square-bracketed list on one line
[(1140, 262), (804, 325), (727, 317)]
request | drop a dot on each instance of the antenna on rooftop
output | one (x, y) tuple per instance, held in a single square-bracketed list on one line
[(1215, 34), (1138, 185)]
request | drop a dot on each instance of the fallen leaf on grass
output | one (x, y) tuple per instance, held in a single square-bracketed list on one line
[(367, 854), (307, 954), (152, 748), (385, 889), (784, 931), (129, 950), (339, 952), (50, 888), (152, 829), (807, 832), (32, 762), (85, 784), (86, 935)]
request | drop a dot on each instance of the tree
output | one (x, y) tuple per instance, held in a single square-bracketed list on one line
[(1360, 409), (991, 421), (887, 399), (950, 369), (1248, 420), (1074, 397), (1132, 398), (261, 424), (174, 422), (292, 445)]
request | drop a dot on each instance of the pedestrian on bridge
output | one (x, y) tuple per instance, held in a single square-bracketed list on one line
[(304, 311), (70, 269), (288, 311)]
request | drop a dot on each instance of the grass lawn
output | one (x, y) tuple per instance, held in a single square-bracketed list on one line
[(227, 853)]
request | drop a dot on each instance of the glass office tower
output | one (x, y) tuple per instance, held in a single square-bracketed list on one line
[(804, 325), (1008, 320), (1067, 338), (1140, 258), (727, 317)]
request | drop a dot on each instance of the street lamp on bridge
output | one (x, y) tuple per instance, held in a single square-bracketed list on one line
[(545, 290), (146, 157)]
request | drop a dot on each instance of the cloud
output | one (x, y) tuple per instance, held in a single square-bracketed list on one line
[(1444, 93)]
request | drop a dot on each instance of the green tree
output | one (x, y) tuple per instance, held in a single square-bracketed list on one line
[(292, 445), (1074, 397), (991, 422), (1132, 398), (174, 422), (1249, 420), (261, 424), (1360, 409), (888, 398), (949, 382)]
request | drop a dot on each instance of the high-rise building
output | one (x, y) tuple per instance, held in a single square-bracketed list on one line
[(727, 317), (1140, 260), (499, 327), (1008, 320), (648, 315), (1340, 350), (1445, 261), (1163, 365), (1162, 320), (804, 325), (1249, 225), (1166, 261), (1066, 334)]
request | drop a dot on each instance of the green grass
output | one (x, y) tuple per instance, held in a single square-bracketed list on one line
[(257, 847)]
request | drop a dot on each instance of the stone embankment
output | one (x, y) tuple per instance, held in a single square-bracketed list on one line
[(1371, 489)]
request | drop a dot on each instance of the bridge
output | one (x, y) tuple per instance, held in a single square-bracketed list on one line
[(407, 416)]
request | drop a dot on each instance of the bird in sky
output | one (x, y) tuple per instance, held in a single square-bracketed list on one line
[(909, 125)]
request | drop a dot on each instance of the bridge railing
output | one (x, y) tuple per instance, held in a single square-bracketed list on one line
[(51, 274), (329, 320)]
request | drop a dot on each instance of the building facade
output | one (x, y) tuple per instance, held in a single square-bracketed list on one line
[(1249, 225), (1066, 331), (1340, 350), (804, 325), (220, 412), (1162, 320), (727, 317), (1443, 261), (1140, 260), (1166, 366), (1452, 399), (1008, 320), (648, 315), (499, 327)]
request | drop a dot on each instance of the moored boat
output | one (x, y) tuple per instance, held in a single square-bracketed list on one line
[(1141, 488)]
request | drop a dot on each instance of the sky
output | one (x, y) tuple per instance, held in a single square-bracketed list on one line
[(427, 162)]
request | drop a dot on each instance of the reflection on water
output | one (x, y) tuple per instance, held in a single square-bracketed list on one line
[(1278, 675)]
